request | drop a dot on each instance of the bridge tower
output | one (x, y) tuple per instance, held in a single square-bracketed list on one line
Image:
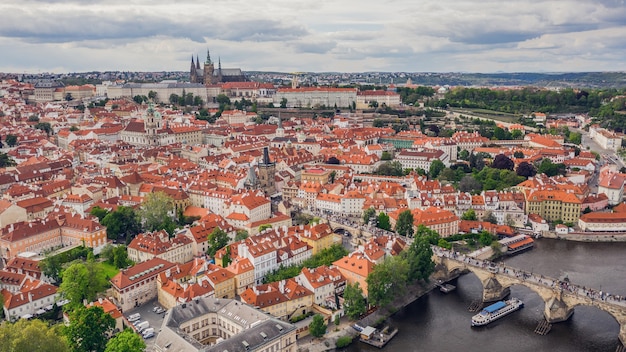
[(556, 310)]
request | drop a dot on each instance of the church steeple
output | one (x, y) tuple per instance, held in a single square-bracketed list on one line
[(197, 62), (208, 57)]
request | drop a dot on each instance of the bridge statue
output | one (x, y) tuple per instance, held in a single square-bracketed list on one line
[(560, 297)]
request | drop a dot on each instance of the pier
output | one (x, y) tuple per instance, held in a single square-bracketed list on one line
[(377, 338)]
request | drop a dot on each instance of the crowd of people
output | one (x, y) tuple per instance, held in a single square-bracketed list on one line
[(564, 284)]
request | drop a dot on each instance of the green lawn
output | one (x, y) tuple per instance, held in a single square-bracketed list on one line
[(108, 270)]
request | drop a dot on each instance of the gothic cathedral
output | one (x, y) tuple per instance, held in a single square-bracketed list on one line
[(208, 75)]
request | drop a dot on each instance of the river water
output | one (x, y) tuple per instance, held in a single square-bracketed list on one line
[(441, 322)]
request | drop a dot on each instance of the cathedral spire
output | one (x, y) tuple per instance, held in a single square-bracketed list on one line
[(208, 57), (197, 62), (219, 63)]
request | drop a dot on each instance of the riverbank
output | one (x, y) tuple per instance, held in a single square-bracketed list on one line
[(588, 237), (328, 342)]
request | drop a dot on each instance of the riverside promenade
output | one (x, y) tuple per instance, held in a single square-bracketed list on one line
[(312, 344)]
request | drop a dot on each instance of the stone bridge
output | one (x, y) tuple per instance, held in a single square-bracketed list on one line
[(560, 297)]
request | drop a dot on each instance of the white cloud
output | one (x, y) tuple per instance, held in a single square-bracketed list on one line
[(305, 35)]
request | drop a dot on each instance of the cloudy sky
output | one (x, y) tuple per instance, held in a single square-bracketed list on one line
[(314, 35)]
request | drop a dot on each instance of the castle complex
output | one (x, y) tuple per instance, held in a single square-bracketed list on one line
[(208, 75)]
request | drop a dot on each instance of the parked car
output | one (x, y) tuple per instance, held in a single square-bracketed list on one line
[(142, 326), (159, 310), (148, 335), (148, 331), (134, 317)]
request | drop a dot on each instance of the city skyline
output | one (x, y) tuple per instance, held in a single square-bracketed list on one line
[(323, 36)]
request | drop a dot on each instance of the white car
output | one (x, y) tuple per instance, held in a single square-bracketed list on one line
[(148, 335)]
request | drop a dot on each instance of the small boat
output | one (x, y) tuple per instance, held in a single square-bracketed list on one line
[(496, 311), (447, 288)]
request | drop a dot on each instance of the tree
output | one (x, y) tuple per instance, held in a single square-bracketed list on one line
[(485, 238), (387, 280), (390, 168), (525, 169), (283, 103), (122, 222), (469, 184), (404, 225), (448, 174), (68, 97), (126, 341), (152, 95), (217, 240), (6, 160), (33, 118), (435, 168), (31, 335), (241, 235), (11, 140), (354, 302), (464, 155), (550, 169), (88, 329), (575, 138), (419, 255), (469, 215), (518, 154), (386, 156), (155, 211), (383, 221), (317, 328), (138, 99), (44, 126), (174, 98), (490, 217), (502, 162), (333, 161), (99, 212), (332, 176), (368, 214), (516, 134), (82, 281)]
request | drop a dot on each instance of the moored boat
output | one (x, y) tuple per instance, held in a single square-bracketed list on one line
[(496, 311)]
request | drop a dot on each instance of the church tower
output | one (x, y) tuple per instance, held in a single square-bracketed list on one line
[(267, 172), (209, 68), (152, 124), (193, 73)]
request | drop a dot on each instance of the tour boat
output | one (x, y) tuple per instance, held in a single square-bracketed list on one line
[(496, 311)]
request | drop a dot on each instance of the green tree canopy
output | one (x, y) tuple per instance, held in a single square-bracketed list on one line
[(155, 211), (383, 221), (390, 168), (386, 156), (419, 255), (82, 281), (122, 222), (99, 212), (317, 328), (469, 215), (354, 302), (126, 341), (368, 214), (31, 335), (11, 140), (217, 240), (388, 280), (435, 168), (6, 160), (88, 329), (241, 235), (404, 225)]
